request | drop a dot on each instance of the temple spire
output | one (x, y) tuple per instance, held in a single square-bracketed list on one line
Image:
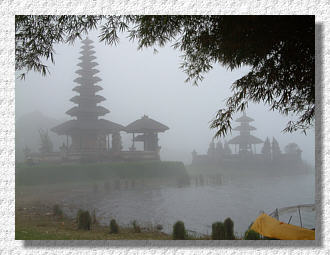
[(87, 100), (88, 132), (245, 140)]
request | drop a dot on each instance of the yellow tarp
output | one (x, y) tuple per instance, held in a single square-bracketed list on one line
[(272, 228)]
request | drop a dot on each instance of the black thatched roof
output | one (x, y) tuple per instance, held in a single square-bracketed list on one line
[(94, 111), (249, 139), (87, 41), (87, 89), (81, 99), (100, 125), (244, 128), (244, 118), (145, 124)]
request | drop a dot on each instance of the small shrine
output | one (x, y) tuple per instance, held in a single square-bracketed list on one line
[(147, 130)]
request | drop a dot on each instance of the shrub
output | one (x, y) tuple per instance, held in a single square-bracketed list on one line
[(84, 220), (218, 231), (94, 221), (229, 229), (78, 215), (159, 227), (57, 211), (251, 235), (136, 227), (114, 228), (179, 231)]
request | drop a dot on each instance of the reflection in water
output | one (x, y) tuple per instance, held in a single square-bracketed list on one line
[(200, 206)]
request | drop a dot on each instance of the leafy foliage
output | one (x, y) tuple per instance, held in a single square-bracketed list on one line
[(251, 235), (84, 220), (46, 143), (291, 148), (114, 228), (218, 231), (136, 227), (266, 149), (229, 229), (179, 231), (80, 211), (57, 211), (278, 49)]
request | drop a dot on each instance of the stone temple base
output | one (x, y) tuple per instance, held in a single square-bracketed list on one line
[(90, 156)]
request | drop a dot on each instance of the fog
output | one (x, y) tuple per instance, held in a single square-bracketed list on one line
[(142, 82), (137, 83)]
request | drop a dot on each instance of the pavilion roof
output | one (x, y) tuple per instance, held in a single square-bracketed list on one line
[(97, 111), (94, 98), (244, 128), (87, 71), (87, 80), (145, 124), (248, 139), (87, 41), (100, 125), (244, 118), (87, 89)]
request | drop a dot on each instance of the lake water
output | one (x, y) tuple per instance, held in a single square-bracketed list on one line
[(199, 206)]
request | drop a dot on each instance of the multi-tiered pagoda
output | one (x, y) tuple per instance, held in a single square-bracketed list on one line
[(88, 132), (245, 140)]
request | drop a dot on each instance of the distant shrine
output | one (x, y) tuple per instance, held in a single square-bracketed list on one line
[(245, 151), (88, 135), (245, 140)]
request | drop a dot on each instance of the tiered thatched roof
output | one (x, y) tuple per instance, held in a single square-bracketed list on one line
[(245, 138), (87, 111)]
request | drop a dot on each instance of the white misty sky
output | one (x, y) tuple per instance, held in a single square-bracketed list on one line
[(141, 82)]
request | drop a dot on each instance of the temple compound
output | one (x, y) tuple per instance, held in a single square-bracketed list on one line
[(89, 134), (245, 152)]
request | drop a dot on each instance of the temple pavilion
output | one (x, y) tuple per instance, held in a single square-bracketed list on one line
[(88, 132), (147, 130), (245, 140)]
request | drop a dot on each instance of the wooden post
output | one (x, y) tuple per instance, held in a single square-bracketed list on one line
[(300, 216), (144, 141), (156, 143), (108, 142)]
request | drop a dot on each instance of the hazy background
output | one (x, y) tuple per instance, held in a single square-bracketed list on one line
[(141, 82)]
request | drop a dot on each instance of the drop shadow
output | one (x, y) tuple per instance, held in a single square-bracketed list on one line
[(319, 130)]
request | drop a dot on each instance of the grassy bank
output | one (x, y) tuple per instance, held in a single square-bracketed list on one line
[(55, 173), (37, 222), (33, 224)]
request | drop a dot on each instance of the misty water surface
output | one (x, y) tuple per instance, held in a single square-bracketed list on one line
[(200, 206)]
